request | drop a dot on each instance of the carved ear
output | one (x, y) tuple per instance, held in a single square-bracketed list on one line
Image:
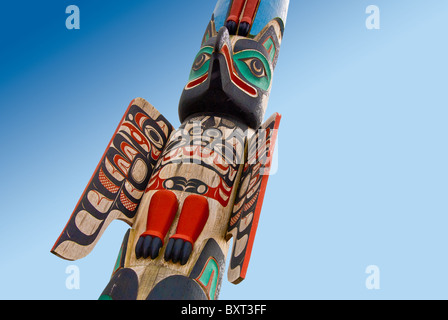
[(210, 31), (271, 38)]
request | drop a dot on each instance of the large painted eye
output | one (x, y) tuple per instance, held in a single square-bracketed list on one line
[(201, 59), (256, 67), (201, 63)]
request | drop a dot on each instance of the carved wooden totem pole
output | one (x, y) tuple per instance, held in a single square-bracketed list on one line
[(186, 192)]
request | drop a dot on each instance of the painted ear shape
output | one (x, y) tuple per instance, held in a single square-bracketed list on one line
[(209, 32), (271, 38)]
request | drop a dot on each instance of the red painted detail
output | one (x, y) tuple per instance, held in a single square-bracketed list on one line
[(221, 193), (161, 212), (198, 152), (99, 197), (260, 198), (234, 76), (209, 283), (140, 118), (249, 11), (235, 219), (127, 203), (251, 202), (192, 218), (128, 150), (235, 11), (138, 136), (271, 47), (122, 164), (109, 185), (155, 154), (208, 286), (198, 81), (156, 183)]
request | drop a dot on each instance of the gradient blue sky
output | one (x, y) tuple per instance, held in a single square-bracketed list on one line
[(362, 176)]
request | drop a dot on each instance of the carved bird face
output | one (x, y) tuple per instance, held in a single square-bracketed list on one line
[(232, 75)]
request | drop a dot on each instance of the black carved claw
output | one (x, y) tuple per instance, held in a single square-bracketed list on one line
[(243, 29), (178, 250), (148, 246), (231, 27)]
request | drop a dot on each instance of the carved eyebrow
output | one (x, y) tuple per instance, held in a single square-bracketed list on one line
[(199, 74), (205, 49), (208, 50), (247, 44)]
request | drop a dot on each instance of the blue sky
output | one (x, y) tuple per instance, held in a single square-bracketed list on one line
[(362, 176)]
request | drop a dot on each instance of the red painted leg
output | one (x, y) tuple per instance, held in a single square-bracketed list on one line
[(192, 220), (161, 212), (248, 17), (235, 11), (249, 11)]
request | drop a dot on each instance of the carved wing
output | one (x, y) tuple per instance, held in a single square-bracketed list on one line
[(119, 180), (249, 199)]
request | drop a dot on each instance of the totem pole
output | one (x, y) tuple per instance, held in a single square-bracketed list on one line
[(185, 193)]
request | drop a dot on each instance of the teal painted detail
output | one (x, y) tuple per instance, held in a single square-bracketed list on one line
[(209, 278), (270, 46), (117, 263), (201, 63), (254, 67), (105, 297)]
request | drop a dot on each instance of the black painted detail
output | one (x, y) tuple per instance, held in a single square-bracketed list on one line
[(243, 29), (148, 246), (122, 286), (177, 288), (178, 250)]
